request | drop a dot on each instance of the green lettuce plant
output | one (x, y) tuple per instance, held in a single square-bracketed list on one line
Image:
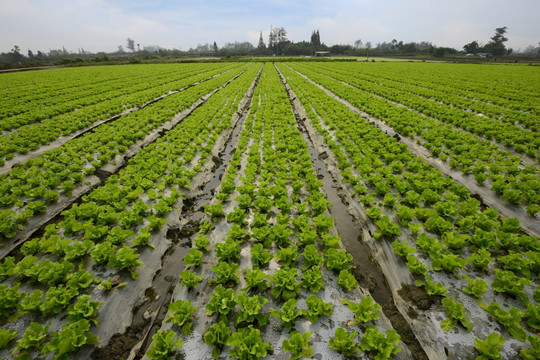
[(317, 307), (32, 338), (298, 345), (72, 337), (222, 301), (285, 284), (217, 336), (226, 272), (164, 346), (490, 348), (313, 280), (343, 342), (247, 344), (193, 257), (6, 336), (180, 313), (456, 314), (250, 311), (476, 287), (287, 314), (374, 342), (190, 279), (432, 287), (366, 310), (256, 279)]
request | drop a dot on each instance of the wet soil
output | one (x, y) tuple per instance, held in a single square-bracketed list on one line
[(148, 317), (367, 271)]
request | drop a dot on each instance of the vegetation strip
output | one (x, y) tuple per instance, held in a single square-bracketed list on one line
[(529, 224), (407, 206), (491, 167), (127, 210), (20, 158), (370, 274), (107, 144)]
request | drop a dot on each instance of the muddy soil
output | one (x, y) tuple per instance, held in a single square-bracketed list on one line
[(367, 271), (147, 315)]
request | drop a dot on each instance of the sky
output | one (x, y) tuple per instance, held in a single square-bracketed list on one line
[(100, 25)]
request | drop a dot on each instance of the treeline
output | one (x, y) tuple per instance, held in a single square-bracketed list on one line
[(277, 45)]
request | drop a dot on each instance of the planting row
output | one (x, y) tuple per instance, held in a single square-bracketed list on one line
[(34, 131), (267, 274), (28, 189), (48, 292), (496, 169), (456, 248), (34, 103), (445, 107), (507, 91)]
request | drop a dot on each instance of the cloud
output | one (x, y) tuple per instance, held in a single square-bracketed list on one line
[(100, 25)]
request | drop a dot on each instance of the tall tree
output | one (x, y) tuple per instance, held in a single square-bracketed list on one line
[(131, 44), (496, 45), (315, 39), (472, 47), (215, 48), (261, 45), (276, 38)]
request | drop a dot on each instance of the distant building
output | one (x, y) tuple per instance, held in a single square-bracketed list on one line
[(322, 53)]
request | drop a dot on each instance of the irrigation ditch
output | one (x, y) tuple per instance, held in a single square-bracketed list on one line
[(130, 335), (355, 231)]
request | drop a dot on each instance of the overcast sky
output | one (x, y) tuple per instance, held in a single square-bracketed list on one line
[(100, 25)]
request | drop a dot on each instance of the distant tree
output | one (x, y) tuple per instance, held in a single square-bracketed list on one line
[(394, 44), (315, 39), (30, 54), (408, 48), (262, 45), (277, 37), (120, 49), (15, 55), (215, 47), (472, 47), (496, 45), (358, 44), (131, 44)]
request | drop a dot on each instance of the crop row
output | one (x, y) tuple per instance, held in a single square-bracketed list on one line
[(492, 88), (55, 274), (267, 259), (456, 248), (32, 136), (28, 106), (28, 189), (497, 169), (447, 108)]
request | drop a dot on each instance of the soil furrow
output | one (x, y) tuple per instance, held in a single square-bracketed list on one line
[(531, 225), (133, 342), (352, 230)]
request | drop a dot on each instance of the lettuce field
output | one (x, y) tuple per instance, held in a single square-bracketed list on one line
[(325, 210)]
